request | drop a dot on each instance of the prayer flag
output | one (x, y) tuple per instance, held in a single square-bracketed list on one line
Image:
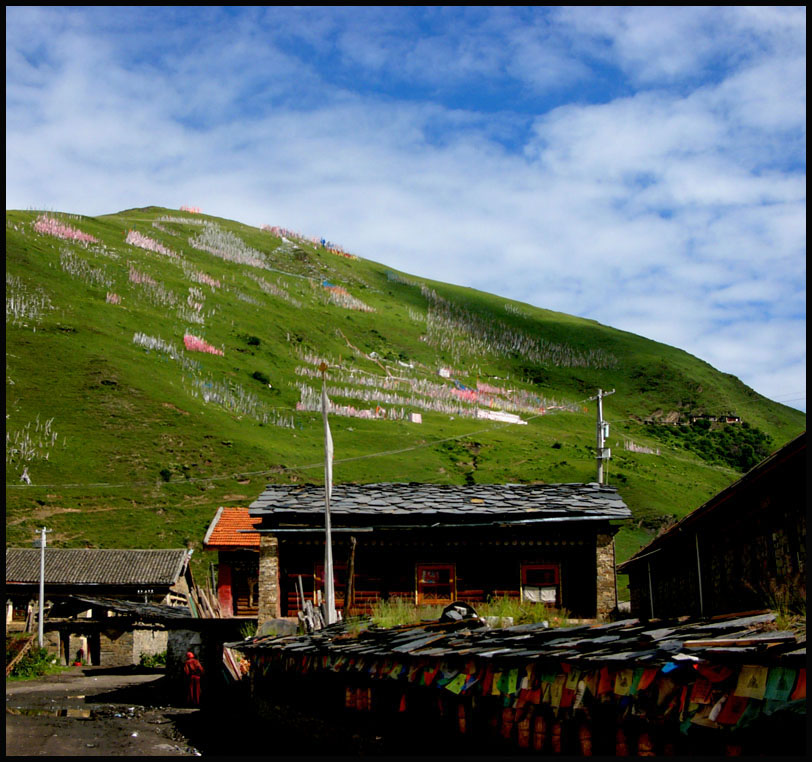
[(623, 682), (329, 589), (572, 679), (591, 680), (714, 672), (638, 676), (567, 697), (701, 692), (605, 681), (456, 685), (487, 681), (328, 444), (751, 712), (779, 684), (732, 710), (799, 691), (513, 679), (556, 690), (752, 682)]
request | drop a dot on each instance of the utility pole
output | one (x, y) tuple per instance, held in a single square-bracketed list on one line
[(602, 433), (40, 543)]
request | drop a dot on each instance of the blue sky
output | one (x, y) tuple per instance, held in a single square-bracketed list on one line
[(644, 167)]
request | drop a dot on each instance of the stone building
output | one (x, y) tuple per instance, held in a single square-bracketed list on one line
[(742, 550), (433, 544), (81, 587)]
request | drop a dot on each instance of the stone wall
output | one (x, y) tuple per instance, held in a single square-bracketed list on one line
[(148, 641), (606, 588), (116, 647), (268, 585)]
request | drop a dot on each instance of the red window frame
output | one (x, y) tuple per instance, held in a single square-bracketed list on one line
[(427, 590), (554, 581)]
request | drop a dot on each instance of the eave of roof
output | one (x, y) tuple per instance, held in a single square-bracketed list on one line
[(778, 458), (92, 566)]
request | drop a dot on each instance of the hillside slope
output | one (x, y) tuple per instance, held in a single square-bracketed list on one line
[(160, 364)]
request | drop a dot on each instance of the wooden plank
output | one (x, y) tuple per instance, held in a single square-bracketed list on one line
[(23, 651), (780, 637)]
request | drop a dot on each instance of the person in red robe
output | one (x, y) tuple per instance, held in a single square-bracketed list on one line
[(193, 670)]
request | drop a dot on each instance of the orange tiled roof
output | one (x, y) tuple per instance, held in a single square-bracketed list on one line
[(224, 530)]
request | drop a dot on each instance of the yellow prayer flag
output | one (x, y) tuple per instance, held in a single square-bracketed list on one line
[(556, 690), (455, 686), (752, 682), (623, 682)]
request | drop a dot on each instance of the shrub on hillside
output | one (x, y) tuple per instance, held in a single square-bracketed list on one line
[(738, 446)]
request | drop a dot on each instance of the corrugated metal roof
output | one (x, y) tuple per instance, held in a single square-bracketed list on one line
[(91, 566), (421, 503), (229, 528)]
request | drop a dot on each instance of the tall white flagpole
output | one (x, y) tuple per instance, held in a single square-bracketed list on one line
[(41, 625), (329, 588)]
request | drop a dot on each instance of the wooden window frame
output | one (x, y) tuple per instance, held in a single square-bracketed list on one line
[(420, 595), (525, 567)]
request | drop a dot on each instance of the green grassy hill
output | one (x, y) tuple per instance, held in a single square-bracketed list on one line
[(132, 436)]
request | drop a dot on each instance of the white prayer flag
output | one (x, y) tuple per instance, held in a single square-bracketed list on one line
[(328, 445), (329, 589)]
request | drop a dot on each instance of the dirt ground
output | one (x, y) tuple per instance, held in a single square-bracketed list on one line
[(95, 711), (127, 712)]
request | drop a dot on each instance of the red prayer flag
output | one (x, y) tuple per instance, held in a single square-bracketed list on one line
[(799, 692), (732, 710)]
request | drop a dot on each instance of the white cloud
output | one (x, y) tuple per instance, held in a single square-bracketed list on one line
[(673, 212)]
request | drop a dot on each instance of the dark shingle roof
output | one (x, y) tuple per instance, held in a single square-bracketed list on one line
[(77, 566), (73, 604), (420, 503), (627, 643)]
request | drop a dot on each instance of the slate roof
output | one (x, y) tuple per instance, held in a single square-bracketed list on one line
[(228, 530), (427, 504), (153, 612), (735, 638), (90, 566)]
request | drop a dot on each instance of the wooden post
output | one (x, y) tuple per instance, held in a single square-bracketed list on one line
[(349, 594)]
